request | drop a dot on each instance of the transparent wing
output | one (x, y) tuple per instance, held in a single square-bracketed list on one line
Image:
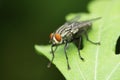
[(84, 23), (74, 19)]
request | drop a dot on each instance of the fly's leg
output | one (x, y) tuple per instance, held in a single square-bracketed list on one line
[(49, 64), (79, 49), (66, 55), (53, 51), (86, 35)]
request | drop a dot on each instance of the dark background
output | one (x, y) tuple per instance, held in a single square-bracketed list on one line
[(24, 23)]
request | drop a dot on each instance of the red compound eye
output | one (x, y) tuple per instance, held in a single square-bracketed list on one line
[(58, 37), (51, 35)]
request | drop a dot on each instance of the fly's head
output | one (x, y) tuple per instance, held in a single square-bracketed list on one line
[(56, 38)]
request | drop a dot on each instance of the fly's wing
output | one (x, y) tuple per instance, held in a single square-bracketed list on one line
[(75, 19), (84, 23), (80, 26)]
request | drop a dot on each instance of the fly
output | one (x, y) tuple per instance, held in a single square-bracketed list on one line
[(69, 32)]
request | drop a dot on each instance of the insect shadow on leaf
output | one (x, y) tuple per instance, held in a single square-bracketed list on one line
[(81, 44)]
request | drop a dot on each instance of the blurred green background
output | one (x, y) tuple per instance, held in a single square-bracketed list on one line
[(24, 23)]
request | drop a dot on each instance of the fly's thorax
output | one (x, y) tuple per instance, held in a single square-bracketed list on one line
[(68, 33), (56, 38)]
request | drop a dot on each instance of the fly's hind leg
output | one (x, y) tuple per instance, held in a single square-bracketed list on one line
[(86, 35)]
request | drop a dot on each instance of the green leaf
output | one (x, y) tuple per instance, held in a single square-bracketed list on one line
[(101, 62)]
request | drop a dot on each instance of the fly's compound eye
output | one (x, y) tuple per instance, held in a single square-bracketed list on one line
[(51, 35), (58, 37)]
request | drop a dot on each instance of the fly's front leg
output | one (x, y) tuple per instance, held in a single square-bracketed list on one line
[(66, 55), (53, 51), (86, 35), (49, 64), (79, 49)]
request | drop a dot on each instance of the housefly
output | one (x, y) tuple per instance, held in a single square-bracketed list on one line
[(69, 32)]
